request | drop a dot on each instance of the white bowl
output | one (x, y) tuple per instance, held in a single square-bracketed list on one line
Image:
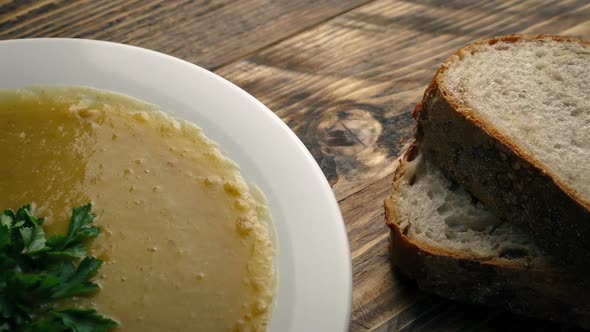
[(313, 260)]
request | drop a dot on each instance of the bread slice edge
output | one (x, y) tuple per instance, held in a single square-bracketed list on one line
[(510, 182), (548, 292)]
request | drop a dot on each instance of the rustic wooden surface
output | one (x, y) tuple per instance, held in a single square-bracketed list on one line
[(344, 75)]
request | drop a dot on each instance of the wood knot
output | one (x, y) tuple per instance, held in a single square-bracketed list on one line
[(349, 140)]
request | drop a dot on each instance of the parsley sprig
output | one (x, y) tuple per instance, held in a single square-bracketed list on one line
[(36, 271)]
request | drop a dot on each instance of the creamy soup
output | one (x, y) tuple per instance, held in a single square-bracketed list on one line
[(185, 241)]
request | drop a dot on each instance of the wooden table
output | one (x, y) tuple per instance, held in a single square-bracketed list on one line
[(344, 75)]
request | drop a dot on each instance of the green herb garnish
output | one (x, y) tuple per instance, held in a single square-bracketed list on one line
[(36, 271)]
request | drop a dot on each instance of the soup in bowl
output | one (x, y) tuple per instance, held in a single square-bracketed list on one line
[(187, 244)]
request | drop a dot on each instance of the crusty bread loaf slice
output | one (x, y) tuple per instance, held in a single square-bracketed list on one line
[(509, 119), (454, 247)]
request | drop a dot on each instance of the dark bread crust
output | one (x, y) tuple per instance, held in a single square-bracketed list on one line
[(509, 181), (536, 290)]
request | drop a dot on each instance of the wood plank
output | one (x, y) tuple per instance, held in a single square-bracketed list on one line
[(209, 33), (347, 88)]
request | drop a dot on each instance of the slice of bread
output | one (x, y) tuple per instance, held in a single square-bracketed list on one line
[(454, 247), (509, 119)]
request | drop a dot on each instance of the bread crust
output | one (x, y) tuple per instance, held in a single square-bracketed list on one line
[(536, 290), (512, 183)]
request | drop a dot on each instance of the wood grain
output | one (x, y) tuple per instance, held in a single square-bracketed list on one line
[(209, 33), (347, 88), (344, 75)]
